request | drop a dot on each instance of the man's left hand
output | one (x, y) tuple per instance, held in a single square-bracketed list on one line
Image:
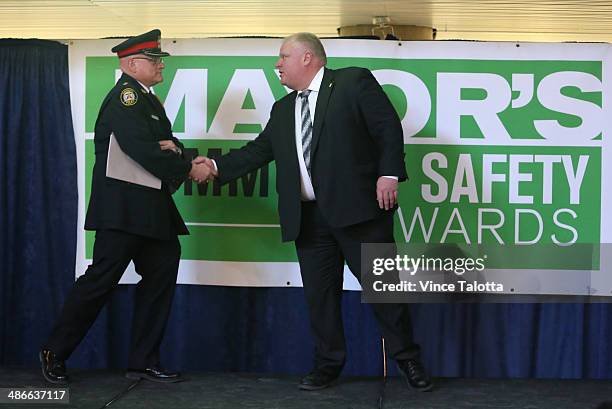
[(168, 145), (386, 192)]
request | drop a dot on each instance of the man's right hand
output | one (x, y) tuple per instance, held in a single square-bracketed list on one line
[(206, 161), (201, 172)]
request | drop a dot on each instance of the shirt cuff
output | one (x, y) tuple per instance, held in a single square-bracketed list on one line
[(390, 177)]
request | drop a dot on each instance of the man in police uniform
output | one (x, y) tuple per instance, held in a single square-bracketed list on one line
[(133, 222)]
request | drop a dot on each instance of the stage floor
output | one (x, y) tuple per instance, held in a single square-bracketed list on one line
[(93, 389)]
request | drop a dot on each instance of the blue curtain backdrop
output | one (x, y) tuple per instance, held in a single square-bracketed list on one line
[(223, 328)]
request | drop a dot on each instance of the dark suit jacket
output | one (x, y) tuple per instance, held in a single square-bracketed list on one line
[(357, 138), (138, 127)]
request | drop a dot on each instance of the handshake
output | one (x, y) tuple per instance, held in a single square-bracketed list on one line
[(202, 170)]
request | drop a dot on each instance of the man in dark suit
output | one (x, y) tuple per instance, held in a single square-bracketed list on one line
[(133, 222), (339, 151)]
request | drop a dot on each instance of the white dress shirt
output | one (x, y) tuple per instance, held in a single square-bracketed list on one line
[(144, 87), (305, 181)]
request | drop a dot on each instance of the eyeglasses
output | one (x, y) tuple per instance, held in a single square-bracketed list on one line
[(152, 60)]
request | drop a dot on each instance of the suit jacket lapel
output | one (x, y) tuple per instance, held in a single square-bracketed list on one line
[(289, 116), (325, 91)]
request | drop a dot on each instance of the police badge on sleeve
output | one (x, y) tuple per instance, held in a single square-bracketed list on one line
[(128, 97)]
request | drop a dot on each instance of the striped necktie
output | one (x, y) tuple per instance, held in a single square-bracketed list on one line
[(306, 130)]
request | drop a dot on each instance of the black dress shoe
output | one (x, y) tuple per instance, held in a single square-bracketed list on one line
[(317, 380), (415, 374), (53, 369), (154, 374)]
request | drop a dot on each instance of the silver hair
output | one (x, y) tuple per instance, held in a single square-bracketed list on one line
[(311, 42)]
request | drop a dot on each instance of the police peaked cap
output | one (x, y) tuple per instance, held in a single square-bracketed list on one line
[(147, 44)]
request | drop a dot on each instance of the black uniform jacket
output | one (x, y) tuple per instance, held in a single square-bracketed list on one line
[(357, 137), (138, 121)]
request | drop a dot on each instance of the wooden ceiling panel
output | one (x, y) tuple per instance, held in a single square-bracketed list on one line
[(544, 20)]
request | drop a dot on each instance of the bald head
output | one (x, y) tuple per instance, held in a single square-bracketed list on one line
[(301, 56), (311, 43)]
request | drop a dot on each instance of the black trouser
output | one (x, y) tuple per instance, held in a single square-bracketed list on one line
[(155, 260), (322, 251)]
